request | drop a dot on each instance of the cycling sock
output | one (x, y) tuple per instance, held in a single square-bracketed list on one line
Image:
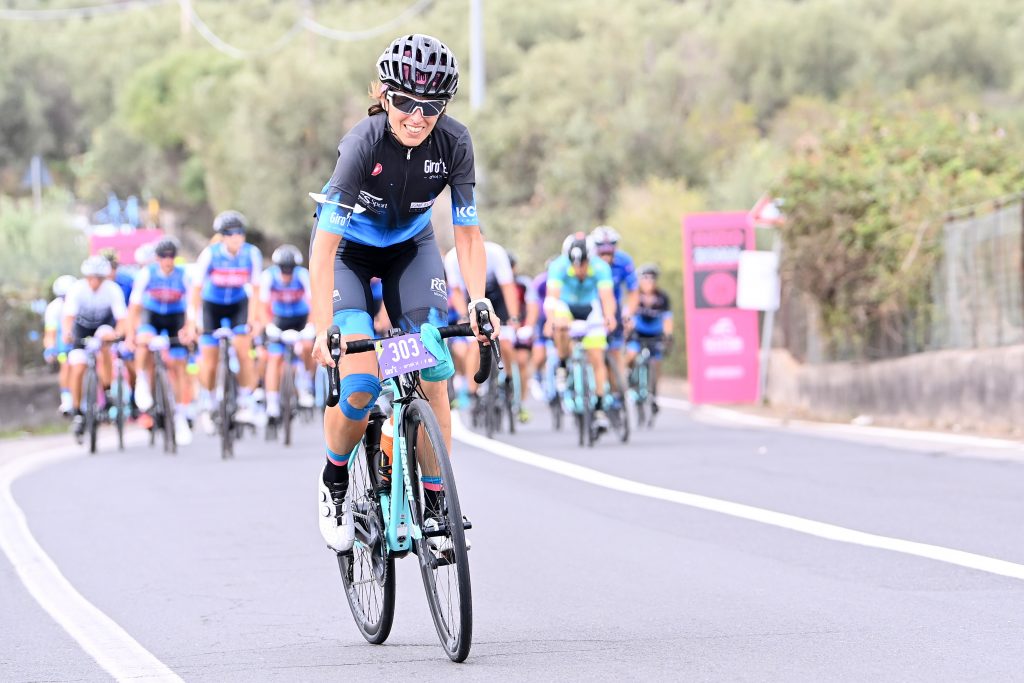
[(432, 494), (273, 403), (336, 471)]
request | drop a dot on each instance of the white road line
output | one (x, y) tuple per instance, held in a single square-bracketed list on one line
[(831, 532), (1002, 449), (101, 638)]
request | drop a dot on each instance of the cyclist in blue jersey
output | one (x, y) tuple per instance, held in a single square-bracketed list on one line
[(284, 289), (226, 272), (54, 348), (652, 323), (373, 219), (157, 306), (119, 275), (579, 295), (626, 288)]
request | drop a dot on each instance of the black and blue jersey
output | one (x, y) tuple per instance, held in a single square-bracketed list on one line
[(381, 192)]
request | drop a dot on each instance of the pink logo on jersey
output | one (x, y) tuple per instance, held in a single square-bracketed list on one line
[(377, 169)]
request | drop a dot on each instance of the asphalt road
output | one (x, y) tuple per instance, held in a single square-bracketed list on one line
[(217, 569)]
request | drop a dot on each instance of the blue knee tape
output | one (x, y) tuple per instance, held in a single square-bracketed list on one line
[(275, 348), (359, 382), (178, 353), (207, 340)]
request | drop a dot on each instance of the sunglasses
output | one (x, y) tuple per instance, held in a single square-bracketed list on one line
[(166, 255), (409, 105), (233, 231)]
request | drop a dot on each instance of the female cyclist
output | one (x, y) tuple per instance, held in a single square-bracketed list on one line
[(373, 220)]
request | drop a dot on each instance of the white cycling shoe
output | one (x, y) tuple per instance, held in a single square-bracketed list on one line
[(440, 544), (335, 519), (143, 396), (306, 399), (182, 432), (207, 423)]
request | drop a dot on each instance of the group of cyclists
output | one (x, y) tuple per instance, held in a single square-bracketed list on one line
[(374, 264), (226, 287)]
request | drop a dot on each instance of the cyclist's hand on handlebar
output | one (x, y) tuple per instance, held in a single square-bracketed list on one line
[(475, 323), (322, 352), (610, 323)]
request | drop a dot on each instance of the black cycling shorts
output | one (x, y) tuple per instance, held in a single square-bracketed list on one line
[(412, 277), (291, 322), (82, 331), (162, 323), (236, 313)]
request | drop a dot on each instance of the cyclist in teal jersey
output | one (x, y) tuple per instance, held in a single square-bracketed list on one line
[(579, 294)]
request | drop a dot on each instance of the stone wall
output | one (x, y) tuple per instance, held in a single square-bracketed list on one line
[(28, 401), (976, 389)]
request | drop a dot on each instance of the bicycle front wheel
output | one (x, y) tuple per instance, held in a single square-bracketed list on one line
[(120, 395), (444, 560), (287, 400), (368, 571), (90, 409)]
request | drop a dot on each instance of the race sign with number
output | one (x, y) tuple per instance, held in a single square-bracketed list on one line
[(399, 355)]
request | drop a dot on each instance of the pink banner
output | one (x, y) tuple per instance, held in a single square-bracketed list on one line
[(721, 340), (125, 242)]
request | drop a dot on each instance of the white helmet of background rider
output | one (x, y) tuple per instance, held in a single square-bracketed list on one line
[(63, 285), (96, 266), (145, 254), (606, 238)]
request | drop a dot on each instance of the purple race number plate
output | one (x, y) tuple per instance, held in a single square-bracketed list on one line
[(399, 355)]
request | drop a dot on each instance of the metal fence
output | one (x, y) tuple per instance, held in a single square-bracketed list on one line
[(978, 292), (977, 296)]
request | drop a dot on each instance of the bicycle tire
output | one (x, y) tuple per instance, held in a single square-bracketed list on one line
[(287, 399), (226, 408), (120, 402), (158, 410), (556, 412), (587, 398), (449, 567), (168, 408), (620, 421), (91, 409), (492, 416), (511, 398), (368, 570)]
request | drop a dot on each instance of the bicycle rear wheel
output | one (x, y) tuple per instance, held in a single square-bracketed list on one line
[(225, 379), (166, 408), (445, 570), (368, 571), (287, 400), (120, 396), (91, 410)]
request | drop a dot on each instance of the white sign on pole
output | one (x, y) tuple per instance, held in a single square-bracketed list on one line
[(757, 286)]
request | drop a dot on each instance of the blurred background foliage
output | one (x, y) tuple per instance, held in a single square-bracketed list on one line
[(871, 117)]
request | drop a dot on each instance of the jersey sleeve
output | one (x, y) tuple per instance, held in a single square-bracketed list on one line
[(256, 261), (463, 183), (54, 311), (202, 267), (71, 300), (139, 286), (266, 281), (629, 274), (303, 276), (530, 295), (603, 275), (117, 304), (335, 213), (498, 263), (556, 273)]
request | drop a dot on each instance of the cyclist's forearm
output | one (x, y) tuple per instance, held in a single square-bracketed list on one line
[(321, 277), (195, 306)]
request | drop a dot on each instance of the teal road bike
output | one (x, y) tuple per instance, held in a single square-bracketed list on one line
[(388, 497)]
